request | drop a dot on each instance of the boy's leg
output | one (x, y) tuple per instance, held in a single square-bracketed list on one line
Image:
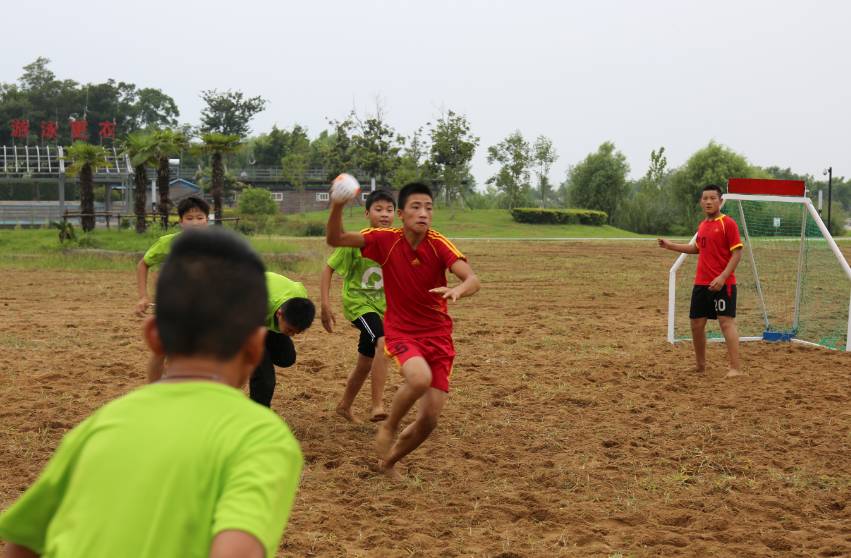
[(428, 411), (279, 351), (698, 335), (379, 378), (353, 385), (417, 375), (731, 336)]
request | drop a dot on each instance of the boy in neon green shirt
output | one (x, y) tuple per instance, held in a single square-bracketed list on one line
[(187, 466), (288, 313), (364, 306), (193, 213)]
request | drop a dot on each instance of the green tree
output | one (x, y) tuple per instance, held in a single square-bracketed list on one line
[(229, 113), (85, 159), (376, 146), (599, 181), (714, 164), (412, 165), (339, 150), (543, 157), (166, 144), (257, 201), (648, 207), (293, 168), (139, 147), (452, 148), (217, 146), (514, 155)]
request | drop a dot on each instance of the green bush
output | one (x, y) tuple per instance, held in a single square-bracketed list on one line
[(257, 201), (569, 216)]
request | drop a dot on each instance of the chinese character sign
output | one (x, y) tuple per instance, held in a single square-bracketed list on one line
[(20, 129), (79, 130), (49, 131), (107, 130)]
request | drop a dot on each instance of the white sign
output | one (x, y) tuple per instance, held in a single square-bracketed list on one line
[(777, 222)]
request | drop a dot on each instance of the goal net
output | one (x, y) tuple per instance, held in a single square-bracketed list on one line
[(794, 283)]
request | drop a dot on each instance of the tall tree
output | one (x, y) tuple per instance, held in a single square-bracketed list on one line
[(217, 146), (85, 160), (543, 157), (452, 148), (139, 147), (230, 112), (599, 181), (167, 144), (376, 145), (514, 155), (339, 154), (295, 162), (413, 164)]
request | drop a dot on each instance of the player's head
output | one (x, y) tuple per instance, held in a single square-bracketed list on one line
[(295, 315), (710, 199), (380, 207), (416, 203), (211, 302), (193, 212)]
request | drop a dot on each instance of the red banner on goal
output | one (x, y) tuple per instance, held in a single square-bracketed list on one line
[(766, 187)]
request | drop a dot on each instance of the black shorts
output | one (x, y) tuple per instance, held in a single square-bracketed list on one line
[(371, 330), (710, 305)]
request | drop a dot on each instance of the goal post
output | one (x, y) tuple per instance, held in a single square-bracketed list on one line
[(794, 283)]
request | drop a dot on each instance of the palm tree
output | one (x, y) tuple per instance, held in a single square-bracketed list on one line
[(166, 144), (85, 158), (217, 145), (139, 147)]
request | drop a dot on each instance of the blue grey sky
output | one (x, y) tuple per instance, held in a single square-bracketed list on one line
[(767, 79)]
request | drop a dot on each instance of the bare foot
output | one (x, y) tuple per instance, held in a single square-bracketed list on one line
[(347, 414), (700, 368), (383, 442), (378, 415), (390, 472), (732, 373)]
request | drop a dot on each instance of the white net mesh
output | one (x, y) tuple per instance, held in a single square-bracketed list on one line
[(790, 283)]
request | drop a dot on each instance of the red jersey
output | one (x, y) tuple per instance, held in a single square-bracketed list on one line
[(716, 240), (408, 276)]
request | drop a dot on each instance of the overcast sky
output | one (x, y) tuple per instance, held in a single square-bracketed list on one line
[(767, 79)]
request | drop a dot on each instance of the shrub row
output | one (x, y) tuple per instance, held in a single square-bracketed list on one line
[(569, 216)]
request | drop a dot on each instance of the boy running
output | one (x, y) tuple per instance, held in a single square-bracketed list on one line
[(418, 329), (363, 306), (288, 313), (719, 251), (187, 466), (193, 213)]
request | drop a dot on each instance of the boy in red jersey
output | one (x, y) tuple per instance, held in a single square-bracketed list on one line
[(417, 326), (718, 248)]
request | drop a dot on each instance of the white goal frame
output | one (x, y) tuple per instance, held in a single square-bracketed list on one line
[(808, 207)]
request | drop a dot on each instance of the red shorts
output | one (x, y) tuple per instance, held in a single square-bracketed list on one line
[(438, 352)]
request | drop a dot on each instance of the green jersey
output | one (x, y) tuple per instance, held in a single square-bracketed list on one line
[(160, 472), (363, 283), (159, 250), (280, 290)]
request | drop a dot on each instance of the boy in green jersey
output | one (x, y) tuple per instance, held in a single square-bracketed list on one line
[(187, 466), (193, 213), (363, 306)]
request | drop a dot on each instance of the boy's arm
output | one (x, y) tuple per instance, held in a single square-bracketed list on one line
[(468, 286), (684, 248), (334, 233), (328, 321), (17, 551), (142, 286), (236, 544), (718, 283)]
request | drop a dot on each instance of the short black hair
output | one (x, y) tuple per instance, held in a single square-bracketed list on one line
[(211, 294), (192, 202), (413, 188), (299, 312), (379, 195), (715, 187)]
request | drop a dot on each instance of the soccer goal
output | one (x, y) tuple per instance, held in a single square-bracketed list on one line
[(794, 283)]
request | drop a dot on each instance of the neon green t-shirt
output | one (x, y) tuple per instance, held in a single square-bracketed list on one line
[(160, 472), (363, 283), (159, 250), (280, 290)]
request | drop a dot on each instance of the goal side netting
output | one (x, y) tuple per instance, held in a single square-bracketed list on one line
[(794, 281)]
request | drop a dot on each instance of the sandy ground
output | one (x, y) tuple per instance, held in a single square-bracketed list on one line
[(573, 428)]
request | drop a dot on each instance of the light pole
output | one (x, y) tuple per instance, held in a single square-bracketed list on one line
[(829, 172)]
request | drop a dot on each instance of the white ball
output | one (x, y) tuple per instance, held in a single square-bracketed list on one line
[(344, 188)]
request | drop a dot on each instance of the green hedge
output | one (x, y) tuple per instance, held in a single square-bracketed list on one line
[(559, 216)]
